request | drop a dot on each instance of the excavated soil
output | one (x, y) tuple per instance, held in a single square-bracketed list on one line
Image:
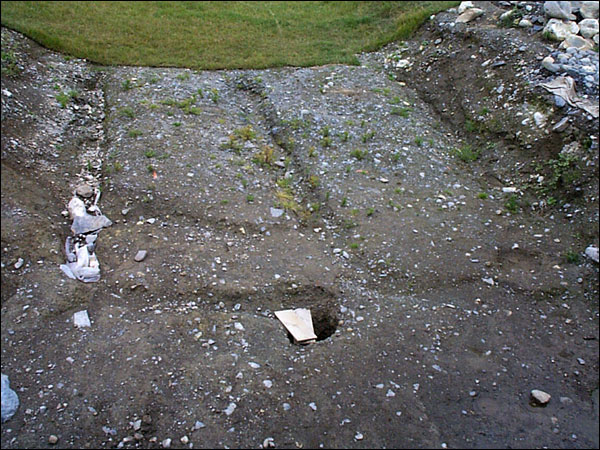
[(437, 307)]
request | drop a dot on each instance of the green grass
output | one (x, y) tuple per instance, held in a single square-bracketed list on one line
[(217, 35), (466, 153)]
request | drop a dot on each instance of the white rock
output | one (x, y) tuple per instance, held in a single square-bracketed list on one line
[(578, 42), (548, 64), (469, 15), (238, 326), (588, 28), (559, 30), (559, 10), (592, 253), (509, 190), (312, 406), (166, 443), (464, 6), (19, 263), (81, 319), (254, 365), (230, 409), (268, 383), (10, 400), (140, 255), (524, 23), (184, 440), (540, 119), (358, 436), (540, 397), (276, 212), (589, 10)]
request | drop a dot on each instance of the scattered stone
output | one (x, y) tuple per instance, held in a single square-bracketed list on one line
[(166, 443), (230, 409), (52, 439), (592, 253), (84, 190), (199, 425), (140, 255), (276, 212), (559, 10), (19, 263), (548, 64), (10, 400), (268, 443), (561, 126), (313, 406), (81, 319), (358, 436), (185, 440), (268, 383), (524, 23), (540, 119), (540, 397), (469, 15)]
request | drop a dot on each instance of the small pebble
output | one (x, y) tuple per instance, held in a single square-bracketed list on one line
[(53, 439)]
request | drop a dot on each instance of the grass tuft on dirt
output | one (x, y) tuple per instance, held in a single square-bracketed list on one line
[(217, 35)]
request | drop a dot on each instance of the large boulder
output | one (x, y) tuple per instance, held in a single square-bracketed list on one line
[(559, 30), (588, 10), (10, 401), (588, 28), (559, 10)]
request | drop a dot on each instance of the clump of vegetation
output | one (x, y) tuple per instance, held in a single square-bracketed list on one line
[(264, 157), (245, 133), (314, 181), (466, 153), (419, 141), (512, 204), (312, 151), (127, 112), (370, 211), (571, 257), (359, 154), (150, 153), (482, 195), (133, 133), (9, 64), (367, 136), (402, 112)]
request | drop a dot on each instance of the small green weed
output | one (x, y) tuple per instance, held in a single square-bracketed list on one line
[(466, 153), (482, 196), (63, 99), (571, 257), (512, 205), (127, 112), (133, 133), (359, 154), (402, 112), (150, 153)]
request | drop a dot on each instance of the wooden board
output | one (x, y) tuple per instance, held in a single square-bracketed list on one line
[(299, 323)]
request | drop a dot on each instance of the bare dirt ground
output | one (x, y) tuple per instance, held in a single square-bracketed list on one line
[(440, 301)]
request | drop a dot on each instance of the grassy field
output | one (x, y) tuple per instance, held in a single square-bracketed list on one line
[(217, 35)]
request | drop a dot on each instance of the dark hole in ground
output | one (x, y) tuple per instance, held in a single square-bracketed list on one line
[(325, 322)]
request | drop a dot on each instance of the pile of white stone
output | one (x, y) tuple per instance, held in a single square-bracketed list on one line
[(575, 24)]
